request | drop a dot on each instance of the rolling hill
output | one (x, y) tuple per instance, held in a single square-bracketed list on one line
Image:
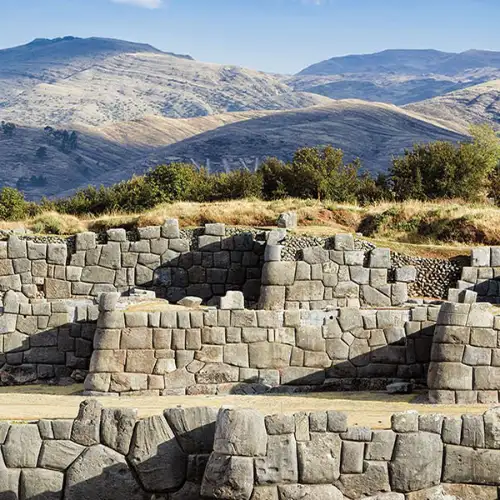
[(477, 104)]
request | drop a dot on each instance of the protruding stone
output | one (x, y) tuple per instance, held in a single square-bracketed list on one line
[(117, 427), (193, 427), (87, 424), (240, 432), (156, 455), (228, 477)]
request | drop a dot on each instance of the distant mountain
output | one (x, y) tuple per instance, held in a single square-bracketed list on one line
[(478, 104), (95, 81), (397, 76)]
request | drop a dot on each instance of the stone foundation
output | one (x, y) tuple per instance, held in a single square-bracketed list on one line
[(239, 351), (238, 454)]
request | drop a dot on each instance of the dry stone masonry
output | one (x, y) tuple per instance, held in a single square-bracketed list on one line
[(241, 454), (236, 350)]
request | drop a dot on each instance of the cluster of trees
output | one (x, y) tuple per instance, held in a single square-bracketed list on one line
[(67, 141), (8, 128), (439, 170)]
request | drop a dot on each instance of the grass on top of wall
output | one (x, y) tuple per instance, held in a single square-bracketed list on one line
[(419, 228)]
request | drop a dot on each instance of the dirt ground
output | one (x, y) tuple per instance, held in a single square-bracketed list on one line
[(366, 409)]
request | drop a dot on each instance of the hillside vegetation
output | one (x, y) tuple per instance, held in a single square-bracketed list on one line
[(455, 185)]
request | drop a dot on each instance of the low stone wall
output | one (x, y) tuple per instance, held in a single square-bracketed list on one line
[(483, 274), (338, 277), (232, 351), (41, 340), (232, 454), (465, 358)]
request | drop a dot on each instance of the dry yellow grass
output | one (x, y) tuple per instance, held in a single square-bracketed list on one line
[(445, 228)]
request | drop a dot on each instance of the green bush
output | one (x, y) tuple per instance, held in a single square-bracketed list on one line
[(13, 206)]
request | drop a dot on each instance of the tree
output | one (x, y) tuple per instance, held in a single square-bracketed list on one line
[(13, 206), (446, 170), (8, 128)]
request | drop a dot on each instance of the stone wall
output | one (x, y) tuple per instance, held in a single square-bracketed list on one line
[(206, 264), (338, 277), (41, 340), (239, 454), (465, 358), (483, 274), (231, 351)]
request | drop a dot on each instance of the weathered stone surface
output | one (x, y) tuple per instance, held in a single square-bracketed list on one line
[(417, 461), (87, 424), (319, 459), (269, 355), (40, 484), (228, 477), (467, 465), (352, 457), (100, 469), (280, 464), (492, 428), (217, 373), (59, 454), (405, 421), (193, 427), (381, 445), (117, 427), (22, 446), (156, 456), (190, 301), (278, 273), (240, 432), (455, 376), (316, 492), (455, 492), (373, 480), (232, 300), (472, 431)]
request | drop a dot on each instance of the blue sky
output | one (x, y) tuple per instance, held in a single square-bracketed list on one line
[(272, 35)]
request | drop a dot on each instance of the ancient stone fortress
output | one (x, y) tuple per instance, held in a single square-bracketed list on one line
[(220, 311)]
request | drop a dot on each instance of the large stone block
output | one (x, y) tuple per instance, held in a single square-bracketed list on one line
[(487, 378), (156, 456), (269, 355), (280, 464), (468, 465), (59, 454), (272, 298), (305, 290), (100, 469), (319, 459), (481, 257), (96, 274), (22, 446), (117, 427), (228, 477), (86, 426), (240, 432), (316, 492), (295, 375), (455, 376), (373, 480), (380, 258), (194, 428), (41, 484), (417, 461)]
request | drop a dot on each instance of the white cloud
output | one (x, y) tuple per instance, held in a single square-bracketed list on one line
[(148, 4)]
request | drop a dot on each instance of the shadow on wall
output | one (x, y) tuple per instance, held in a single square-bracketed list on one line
[(216, 266), (405, 358), (53, 354)]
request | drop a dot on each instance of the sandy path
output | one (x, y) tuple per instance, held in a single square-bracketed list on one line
[(372, 410)]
